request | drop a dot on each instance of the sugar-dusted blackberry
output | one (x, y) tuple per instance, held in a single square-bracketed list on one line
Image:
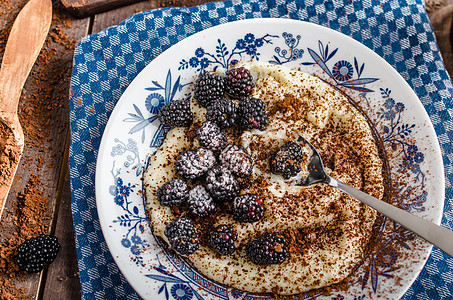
[(222, 238), (252, 114), (210, 136), (192, 164), (222, 185), (223, 113), (182, 236), (200, 202), (36, 253), (173, 193), (176, 113), (248, 208), (287, 160), (267, 249), (209, 87), (238, 82), (237, 160)]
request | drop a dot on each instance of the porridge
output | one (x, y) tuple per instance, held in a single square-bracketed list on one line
[(221, 190)]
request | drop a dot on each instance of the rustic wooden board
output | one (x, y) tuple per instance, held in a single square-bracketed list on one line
[(44, 114), (62, 278), (87, 8)]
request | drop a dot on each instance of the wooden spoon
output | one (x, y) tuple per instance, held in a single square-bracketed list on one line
[(25, 41)]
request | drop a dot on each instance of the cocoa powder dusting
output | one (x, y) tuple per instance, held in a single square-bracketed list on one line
[(9, 156), (43, 114), (31, 218)]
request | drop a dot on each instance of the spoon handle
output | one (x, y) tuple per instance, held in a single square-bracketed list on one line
[(438, 236)]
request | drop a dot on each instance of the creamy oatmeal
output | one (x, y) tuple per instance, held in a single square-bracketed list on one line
[(326, 231)]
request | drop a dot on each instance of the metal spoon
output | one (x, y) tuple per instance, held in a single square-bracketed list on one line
[(438, 236)]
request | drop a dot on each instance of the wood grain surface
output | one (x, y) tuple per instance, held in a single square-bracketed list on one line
[(87, 8), (47, 156), (45, 121)]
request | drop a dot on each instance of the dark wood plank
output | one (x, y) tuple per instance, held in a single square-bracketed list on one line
[(86, 8), (62, 278), (44, 114)]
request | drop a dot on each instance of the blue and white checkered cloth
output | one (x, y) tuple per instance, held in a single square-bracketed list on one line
[(399, 31)]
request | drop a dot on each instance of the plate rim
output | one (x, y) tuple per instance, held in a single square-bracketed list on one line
[(108, 127)]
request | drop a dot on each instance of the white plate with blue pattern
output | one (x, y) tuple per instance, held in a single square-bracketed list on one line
[(399, 122)]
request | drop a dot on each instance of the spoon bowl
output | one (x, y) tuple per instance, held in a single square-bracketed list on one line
[(438, 236)]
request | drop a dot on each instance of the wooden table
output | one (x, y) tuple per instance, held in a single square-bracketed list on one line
[(48, 157)]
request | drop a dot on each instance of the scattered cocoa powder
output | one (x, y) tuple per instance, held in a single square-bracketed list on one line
[(10, 151), (31, 218)]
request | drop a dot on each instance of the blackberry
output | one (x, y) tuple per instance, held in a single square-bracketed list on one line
[(237, 160), (222, 238), (221, 184), (200, 202), (223, 113), (210, 136), (268, 249), (176, 114), (239, 82), (248, 208), (194, 163), (208, 88), (172, 193), (182, 236), (252, 114), (287, 160), (37, 253)]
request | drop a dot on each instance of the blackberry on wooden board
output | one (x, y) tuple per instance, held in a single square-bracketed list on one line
[(238, 82), (210, 136), (209, 88), (36, 253), (172, 193), (182, 236), (200, 202), (176, 113), (194, 163), (287, 161), (222, 238), (224, 113), (221, 184), (267, 249), (248, 208)]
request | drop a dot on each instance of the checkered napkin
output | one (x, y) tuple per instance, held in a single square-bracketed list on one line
[(398, 31)]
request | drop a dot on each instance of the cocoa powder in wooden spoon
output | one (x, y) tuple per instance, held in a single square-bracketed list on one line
[(9, 154)]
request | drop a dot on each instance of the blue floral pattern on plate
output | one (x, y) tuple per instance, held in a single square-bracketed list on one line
[(321, 57), (223, 57)]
